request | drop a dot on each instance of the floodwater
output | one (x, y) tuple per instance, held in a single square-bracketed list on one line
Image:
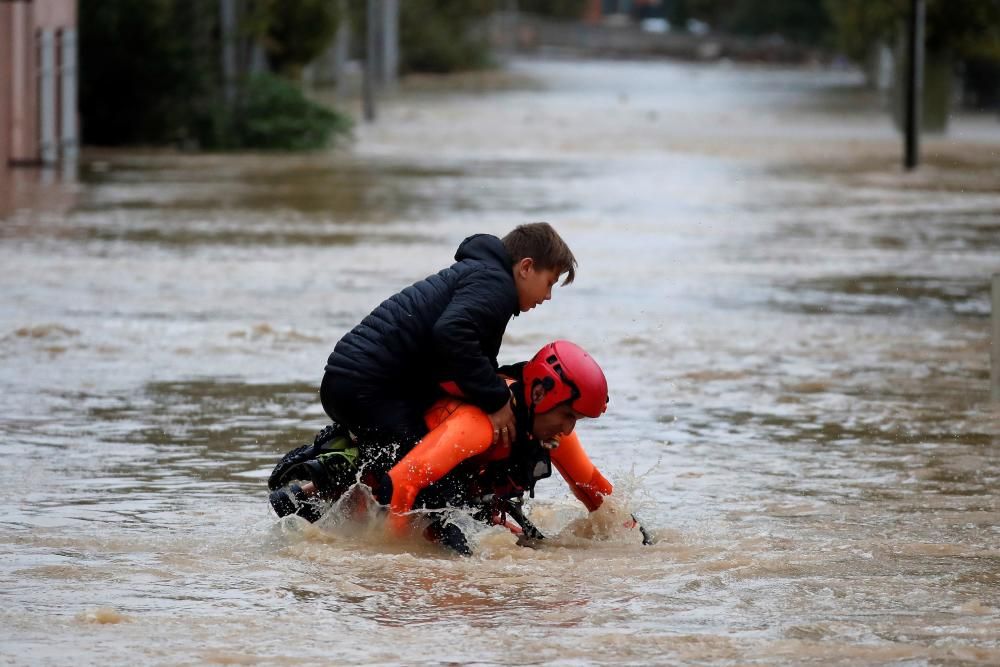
[(796, 334)]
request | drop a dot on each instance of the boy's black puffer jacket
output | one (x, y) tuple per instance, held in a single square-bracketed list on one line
[(447, 327)]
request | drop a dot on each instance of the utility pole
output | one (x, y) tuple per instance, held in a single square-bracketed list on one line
[(381, 50), (69, 144), (995, 339), (227, 25), (372, 25), (342, 49), (390, 42), (511, 19), (47, 96), (914, 83)]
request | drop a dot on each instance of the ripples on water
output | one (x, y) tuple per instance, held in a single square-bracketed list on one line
[(794, 331)]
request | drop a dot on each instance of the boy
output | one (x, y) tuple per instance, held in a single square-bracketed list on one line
[(441, 334)]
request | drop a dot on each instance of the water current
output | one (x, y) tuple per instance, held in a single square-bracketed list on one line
[(795, 331)]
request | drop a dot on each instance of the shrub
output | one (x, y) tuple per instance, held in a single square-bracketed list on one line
[(274, 114), (437, 35)]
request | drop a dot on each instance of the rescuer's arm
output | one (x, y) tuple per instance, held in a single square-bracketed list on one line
[(465, 433), (583, 477)]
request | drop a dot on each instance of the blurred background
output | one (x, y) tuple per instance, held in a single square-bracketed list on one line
[(233, 74), (198, 198)]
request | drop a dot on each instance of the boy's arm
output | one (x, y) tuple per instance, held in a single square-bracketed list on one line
[(583, 477), (477, 311)]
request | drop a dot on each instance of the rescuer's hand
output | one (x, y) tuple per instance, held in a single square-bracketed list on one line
[(503, 425)]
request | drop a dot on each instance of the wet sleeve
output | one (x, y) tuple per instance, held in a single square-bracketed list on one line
[(464, 434), (584, 479), (478, 312)]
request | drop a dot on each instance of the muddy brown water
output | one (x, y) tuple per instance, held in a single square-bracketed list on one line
[(796, 335)]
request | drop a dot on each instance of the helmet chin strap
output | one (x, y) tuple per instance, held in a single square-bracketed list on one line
[(549, 444), (530, 430)]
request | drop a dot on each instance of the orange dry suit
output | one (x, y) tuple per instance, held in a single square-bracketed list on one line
[(457, 464)]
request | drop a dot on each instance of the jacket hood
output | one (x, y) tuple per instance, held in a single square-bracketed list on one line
[(485, 248)]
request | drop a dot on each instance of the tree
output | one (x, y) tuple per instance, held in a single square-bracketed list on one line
[(436, 35), (142, 68), (293, 32), (150, 74), (963, 28), (956, 31), (803, 21), (566, 10)]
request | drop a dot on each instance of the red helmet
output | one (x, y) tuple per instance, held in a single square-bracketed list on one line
[(566, 374)]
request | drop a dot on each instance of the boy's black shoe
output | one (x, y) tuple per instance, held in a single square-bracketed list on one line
[(291, 500), (329, 463), (332, 473), (332, 439)]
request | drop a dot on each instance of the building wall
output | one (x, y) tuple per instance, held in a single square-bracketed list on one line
[(5, 92), (54, 13), (22, 93), (20, 23)]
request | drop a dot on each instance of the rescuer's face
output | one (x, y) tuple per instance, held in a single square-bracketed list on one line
[(560, 420)]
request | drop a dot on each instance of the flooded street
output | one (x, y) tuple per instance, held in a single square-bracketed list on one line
[(795, 333)]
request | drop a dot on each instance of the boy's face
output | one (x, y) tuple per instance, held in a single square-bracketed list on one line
[(560, 420), (534, 286)]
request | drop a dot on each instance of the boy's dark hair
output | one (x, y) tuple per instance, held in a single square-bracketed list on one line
[(540, 242)]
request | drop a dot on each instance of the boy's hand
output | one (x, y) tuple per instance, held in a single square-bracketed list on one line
[(503, 425)]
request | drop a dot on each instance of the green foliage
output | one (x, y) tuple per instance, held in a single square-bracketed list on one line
[(149, 74), (966, 28), (678, 12), (961, 27), (803, 21), (565, 10), (293, 32), (860, 24), (141, 69), (437, 35), (274, 114)]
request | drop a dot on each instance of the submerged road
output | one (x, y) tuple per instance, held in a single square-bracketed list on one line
[(796, 335)]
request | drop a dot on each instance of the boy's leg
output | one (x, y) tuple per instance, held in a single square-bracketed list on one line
[(389, 435), (387, 427), (465, 432)]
